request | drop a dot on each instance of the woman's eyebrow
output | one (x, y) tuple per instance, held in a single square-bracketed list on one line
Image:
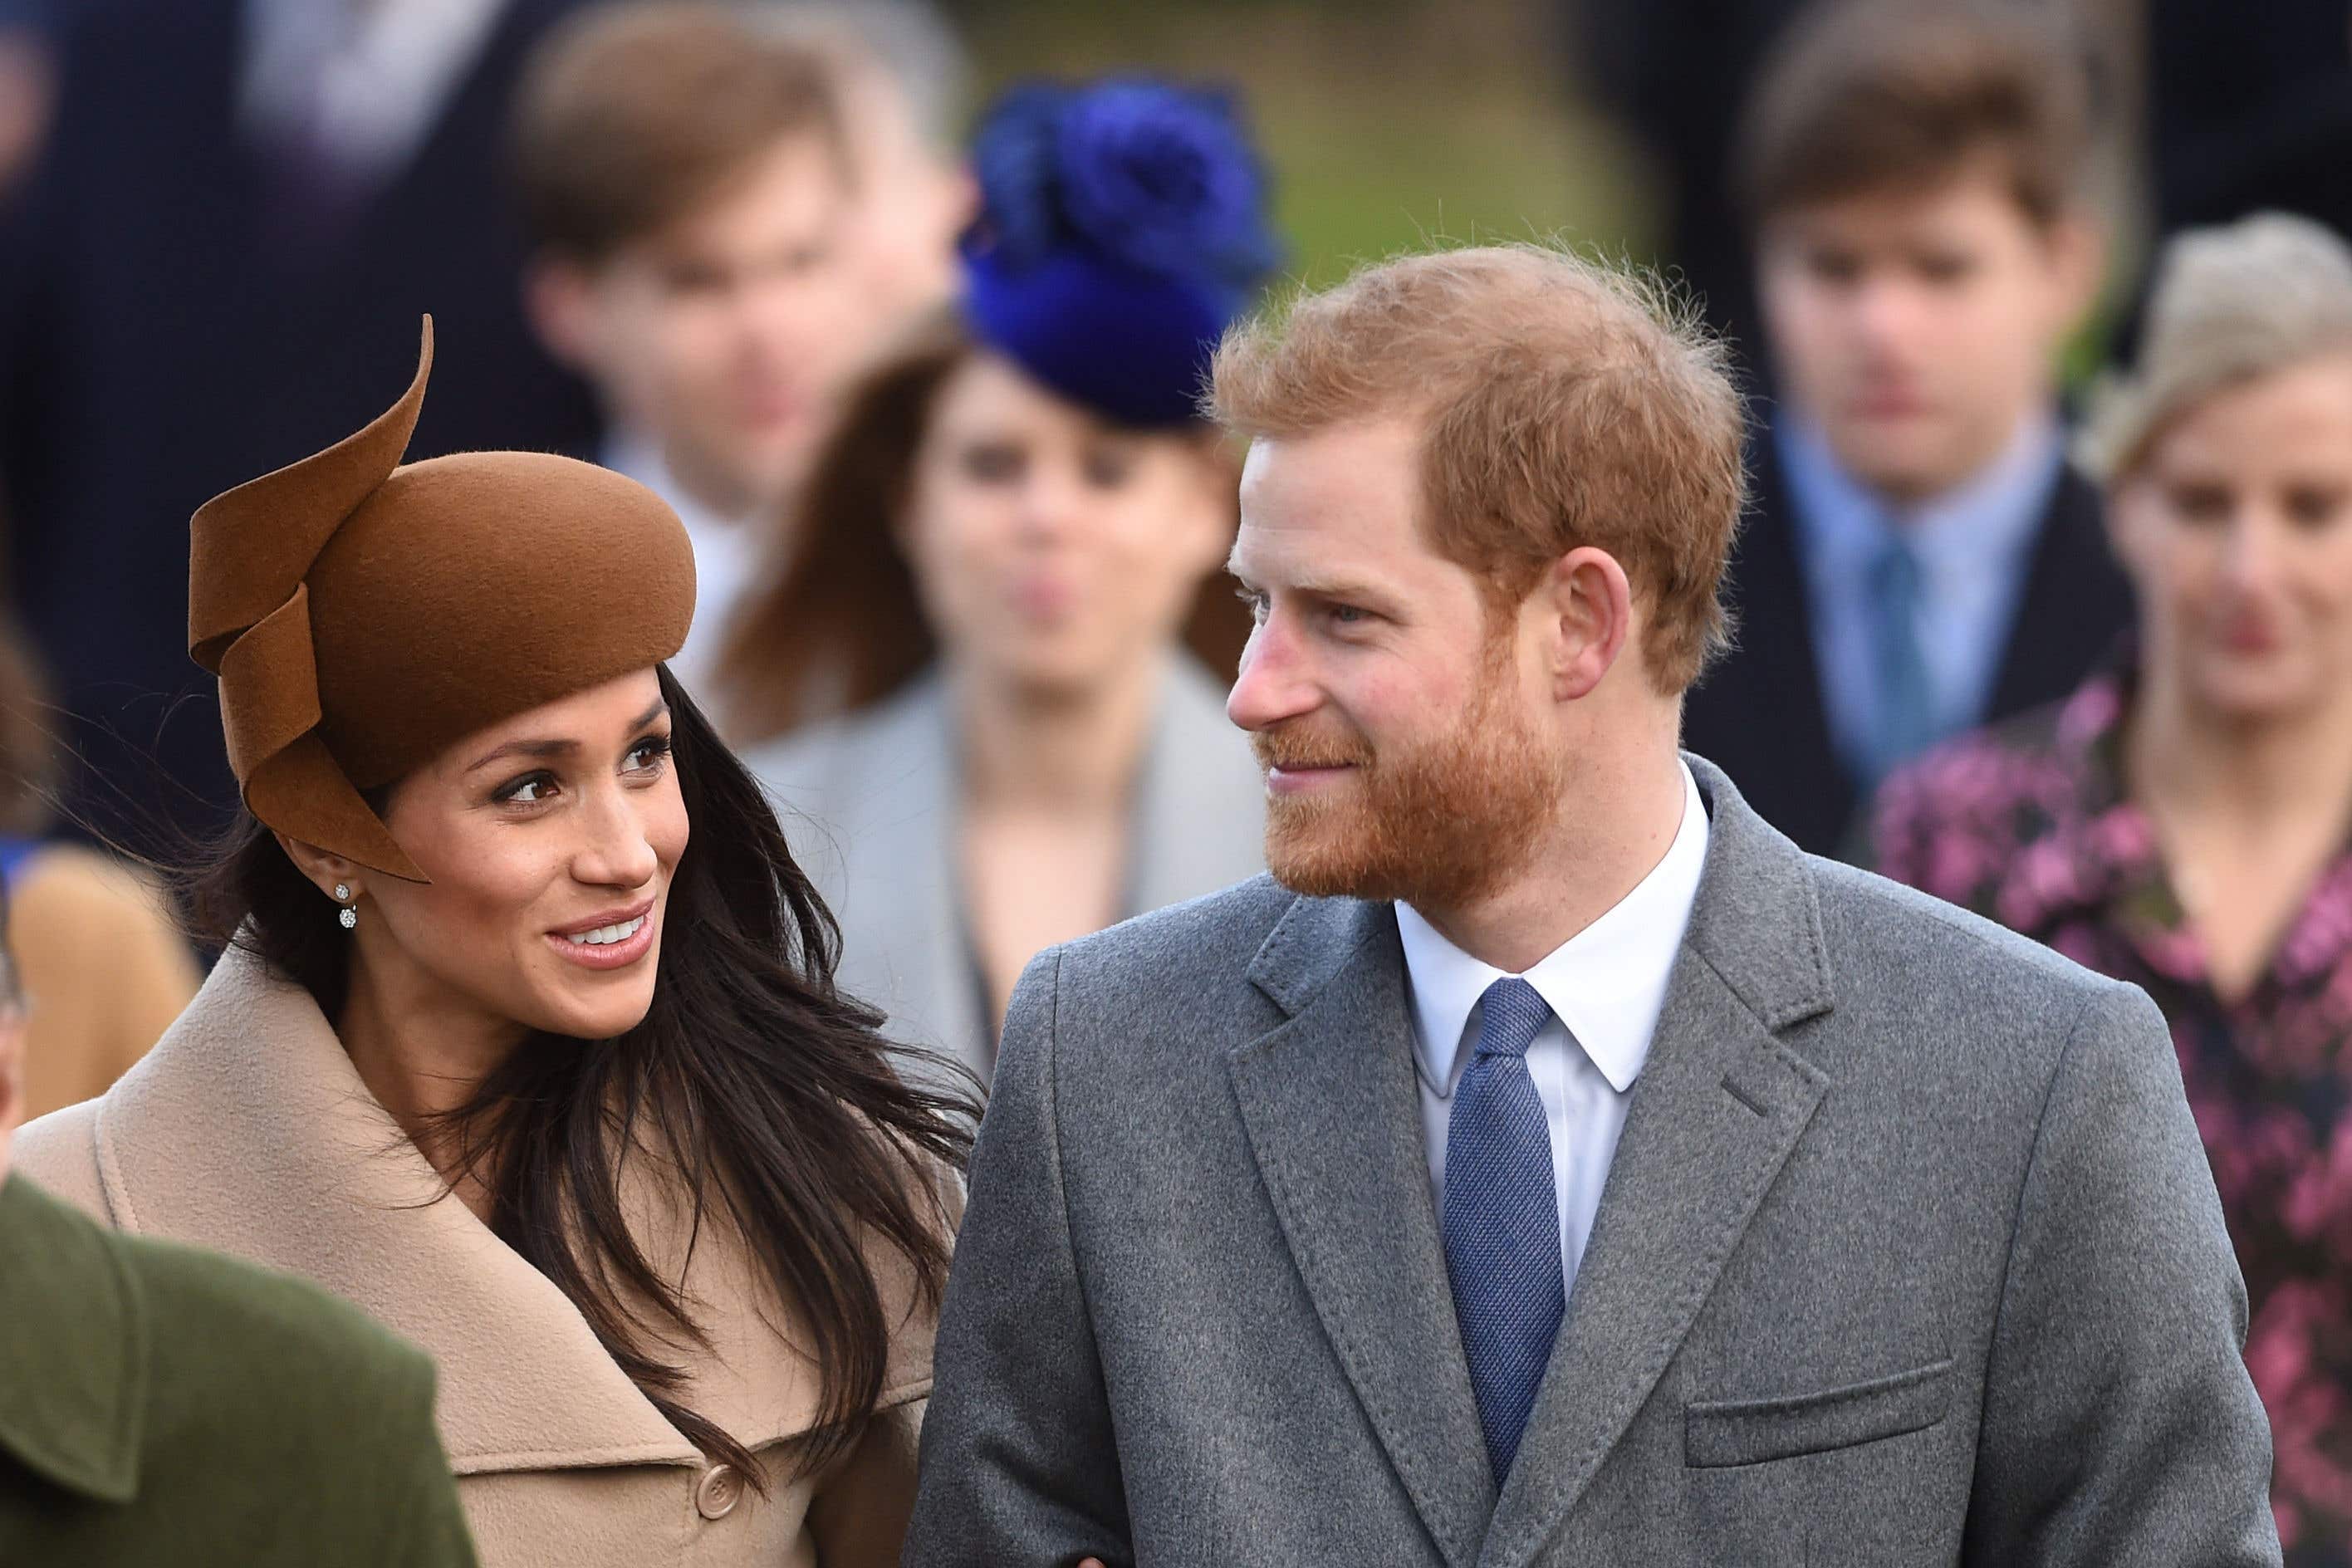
[(543, 750)]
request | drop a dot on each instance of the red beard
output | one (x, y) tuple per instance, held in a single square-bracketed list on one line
[(1437, 825)]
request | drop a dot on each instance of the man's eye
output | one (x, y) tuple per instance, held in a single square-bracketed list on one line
[(1257, 603), (1349, 615)]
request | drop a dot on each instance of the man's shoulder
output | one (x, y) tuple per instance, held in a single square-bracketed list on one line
[(1178, 979), (1884, 937), (1216, 935), (223, 1329)]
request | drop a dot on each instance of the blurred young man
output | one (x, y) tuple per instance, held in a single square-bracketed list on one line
[(163, 1404), (732, 208), (1553, 1165), (1921, 557)]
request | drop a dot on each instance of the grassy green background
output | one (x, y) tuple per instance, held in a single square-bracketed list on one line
[(1388, 122)]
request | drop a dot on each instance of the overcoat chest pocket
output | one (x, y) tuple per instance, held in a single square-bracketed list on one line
[(1751, 1431)]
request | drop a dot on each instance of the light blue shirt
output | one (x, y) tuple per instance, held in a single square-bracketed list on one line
[(1974, 545)]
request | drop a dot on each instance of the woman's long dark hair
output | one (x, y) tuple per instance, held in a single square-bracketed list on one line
[(771, 1092)]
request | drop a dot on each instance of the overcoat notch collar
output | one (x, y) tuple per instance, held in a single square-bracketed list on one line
[(1328, 1102), (73, 1349), (247, 1128)]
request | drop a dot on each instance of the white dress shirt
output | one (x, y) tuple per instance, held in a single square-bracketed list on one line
[(729, 556), (364, 81), (1605, 985)]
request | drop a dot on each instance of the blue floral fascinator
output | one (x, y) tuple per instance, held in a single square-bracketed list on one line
[(1122, 228)]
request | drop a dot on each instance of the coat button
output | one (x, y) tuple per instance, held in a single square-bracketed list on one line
[(720, 1489)]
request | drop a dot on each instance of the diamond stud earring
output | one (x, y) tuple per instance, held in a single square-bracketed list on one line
[(348, 915)]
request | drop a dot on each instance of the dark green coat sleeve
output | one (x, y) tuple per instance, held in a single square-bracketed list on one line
[(428, 1530)]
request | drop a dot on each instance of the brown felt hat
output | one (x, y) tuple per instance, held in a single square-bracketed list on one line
[(363, 615)]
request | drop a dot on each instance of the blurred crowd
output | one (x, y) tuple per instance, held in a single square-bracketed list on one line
[(2043, 600)]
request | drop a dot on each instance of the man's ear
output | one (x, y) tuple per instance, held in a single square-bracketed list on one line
[(2077, 245), (1589, 611), (558, 297), (324, 869)]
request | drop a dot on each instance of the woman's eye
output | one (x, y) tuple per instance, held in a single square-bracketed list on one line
[(1107, 470), (991, 463), (2201, 503), (646, 755), (531, 791)]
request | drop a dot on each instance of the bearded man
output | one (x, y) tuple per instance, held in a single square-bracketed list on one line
[(1551, 1164)]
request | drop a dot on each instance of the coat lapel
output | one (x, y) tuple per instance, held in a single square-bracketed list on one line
[(248, 1130), (1330, 1101), (1716, 1112)]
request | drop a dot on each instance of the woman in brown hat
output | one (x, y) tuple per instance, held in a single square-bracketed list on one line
[(526, 1039)]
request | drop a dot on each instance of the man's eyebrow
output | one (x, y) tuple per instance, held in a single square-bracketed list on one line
[(544, 749)]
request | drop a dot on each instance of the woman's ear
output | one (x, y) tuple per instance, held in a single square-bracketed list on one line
[(324, 869)]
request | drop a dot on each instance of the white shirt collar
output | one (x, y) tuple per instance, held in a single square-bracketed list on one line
[(1607, 984)]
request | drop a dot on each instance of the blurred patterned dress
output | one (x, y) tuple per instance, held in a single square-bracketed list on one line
[(2027, 824)]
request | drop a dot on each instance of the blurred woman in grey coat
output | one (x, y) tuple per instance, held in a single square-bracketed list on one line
[(989, 682)]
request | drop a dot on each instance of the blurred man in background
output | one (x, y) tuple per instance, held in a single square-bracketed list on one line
[(221, 181), (731, 208), (1921, 557)]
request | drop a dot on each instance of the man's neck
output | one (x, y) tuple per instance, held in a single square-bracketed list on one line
[(1621, 822), (689, 487)]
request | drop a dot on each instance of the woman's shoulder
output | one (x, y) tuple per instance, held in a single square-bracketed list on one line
[(1952, 822), (58, 1153), (840, 755), (70, 882)]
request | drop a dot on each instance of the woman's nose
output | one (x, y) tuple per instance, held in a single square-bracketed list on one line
[(617, 852)]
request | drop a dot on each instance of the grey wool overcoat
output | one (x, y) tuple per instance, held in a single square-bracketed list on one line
[(1909, 1256)]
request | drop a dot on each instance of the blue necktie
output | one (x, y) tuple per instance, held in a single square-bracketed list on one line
[(1502, 1219), (1906, 698)]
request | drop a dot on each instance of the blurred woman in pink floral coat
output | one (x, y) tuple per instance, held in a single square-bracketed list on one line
[(2184, 821)]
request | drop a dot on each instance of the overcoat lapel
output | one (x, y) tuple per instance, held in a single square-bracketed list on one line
[(248, 1130), (1716, 1112), (1330, 1101)]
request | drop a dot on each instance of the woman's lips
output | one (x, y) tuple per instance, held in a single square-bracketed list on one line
[(2249, 634), (1043, 598), (634, 930)]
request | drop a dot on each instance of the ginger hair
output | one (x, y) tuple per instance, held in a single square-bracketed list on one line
[(1565, 402)]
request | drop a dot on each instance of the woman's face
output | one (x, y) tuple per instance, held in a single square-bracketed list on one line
[(2237, 530), (551, 840), (1051, 548)]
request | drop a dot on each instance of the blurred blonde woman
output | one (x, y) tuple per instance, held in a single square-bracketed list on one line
[(991, 682), (103, 966), (2184, 821)]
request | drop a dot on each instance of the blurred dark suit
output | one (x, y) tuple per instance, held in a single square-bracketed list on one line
[(1760, 714), (159, 340)]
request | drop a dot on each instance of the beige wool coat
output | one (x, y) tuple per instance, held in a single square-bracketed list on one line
[(248, 1130)]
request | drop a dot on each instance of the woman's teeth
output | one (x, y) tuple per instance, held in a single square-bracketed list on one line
[(604, 935)]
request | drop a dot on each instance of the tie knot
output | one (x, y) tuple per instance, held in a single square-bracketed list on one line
[(1511, 1015)]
